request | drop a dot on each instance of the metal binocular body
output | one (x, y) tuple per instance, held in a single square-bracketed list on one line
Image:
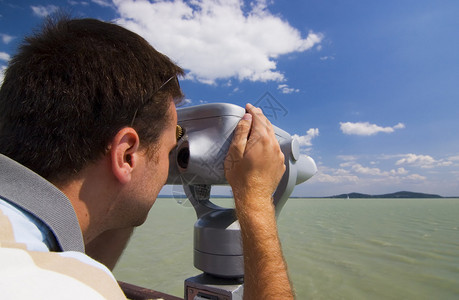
[(197, 163)]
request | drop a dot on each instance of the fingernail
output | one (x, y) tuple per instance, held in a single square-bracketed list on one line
[(247, 117)]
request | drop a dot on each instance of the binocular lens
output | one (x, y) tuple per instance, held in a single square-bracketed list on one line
[(183, 157)]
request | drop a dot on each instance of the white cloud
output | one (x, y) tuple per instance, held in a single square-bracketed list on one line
[(366, 129), (399, 171), (2, 74), (330, 175), (346, 164), (186, 102), (416, 177), (322, 177), (6, 39), (215, 39), (72, 2), (416, 159), (423, 161), (347, 157), (43, 11), (104, 3), (305, 140), (327, 58), (4, 56), (399, 126), (341, 172), (285, 89), (358, 168), (379, 174), (394, 174)]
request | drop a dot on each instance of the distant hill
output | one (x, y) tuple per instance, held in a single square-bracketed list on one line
[(402, 194)]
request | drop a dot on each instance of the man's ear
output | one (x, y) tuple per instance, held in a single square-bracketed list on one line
[(124, 153)]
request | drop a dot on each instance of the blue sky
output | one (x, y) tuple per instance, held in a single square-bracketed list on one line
[(369, 88)]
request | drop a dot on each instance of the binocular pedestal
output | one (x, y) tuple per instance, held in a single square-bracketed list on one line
[(206, 286), (217, 249)]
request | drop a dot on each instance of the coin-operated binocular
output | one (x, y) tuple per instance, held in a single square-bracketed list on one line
[(197, 163)]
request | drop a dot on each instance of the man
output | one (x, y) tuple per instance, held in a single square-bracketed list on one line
[(89, 107)]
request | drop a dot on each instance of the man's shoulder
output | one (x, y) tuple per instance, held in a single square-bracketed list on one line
[(29, 270), (23, 229), (55, 275), (32, 193)]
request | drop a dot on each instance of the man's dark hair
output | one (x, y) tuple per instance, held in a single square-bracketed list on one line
[(72, 86)]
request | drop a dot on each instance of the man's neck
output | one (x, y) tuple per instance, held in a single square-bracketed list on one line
[(90, 194)]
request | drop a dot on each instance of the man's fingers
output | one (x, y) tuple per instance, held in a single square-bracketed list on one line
[(240, 137), (261, 124)]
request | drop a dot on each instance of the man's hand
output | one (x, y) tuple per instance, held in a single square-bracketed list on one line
[(254, 164), (253, 167)]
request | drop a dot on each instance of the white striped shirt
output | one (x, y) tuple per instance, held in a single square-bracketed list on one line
[(29, 270)]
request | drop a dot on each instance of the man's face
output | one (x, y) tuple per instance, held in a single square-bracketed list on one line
[(151, 174), (167, 142)]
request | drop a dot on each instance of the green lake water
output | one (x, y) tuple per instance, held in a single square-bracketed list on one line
[(334, 248)]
